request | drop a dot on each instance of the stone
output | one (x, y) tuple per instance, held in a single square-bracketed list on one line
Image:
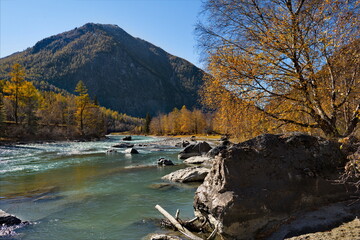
[(111, 151), (196, 149), (127, 138), (131, 151), (215, 151), (182, 144), (8, 219), (190, 174), (197, 160), (163, 237), (164, 162), (193, 138), (123, 145), (260, 183)]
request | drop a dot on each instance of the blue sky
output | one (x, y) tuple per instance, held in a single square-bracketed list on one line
[(168, 24)]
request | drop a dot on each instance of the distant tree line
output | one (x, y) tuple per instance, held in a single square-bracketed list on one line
[(27, 112), (181, 121)]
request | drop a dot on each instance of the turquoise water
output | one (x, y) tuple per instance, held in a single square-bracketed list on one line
[(75, 190)]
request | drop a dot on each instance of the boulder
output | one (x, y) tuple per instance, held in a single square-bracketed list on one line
[(258, 184), (164, 162), (131, 151), (190, 174), (182, 144), (127, 138), (123, 145), (215, 151), (196, 149), (193, 138), (197, 160), (8, 219)]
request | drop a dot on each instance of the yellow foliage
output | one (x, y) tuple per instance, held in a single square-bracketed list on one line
[(177, 122), (282, 65)]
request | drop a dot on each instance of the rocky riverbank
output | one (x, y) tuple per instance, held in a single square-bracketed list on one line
[(274, 187)]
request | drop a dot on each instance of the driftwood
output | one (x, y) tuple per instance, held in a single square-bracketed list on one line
[(177, 214), (193, 220), (213, 234), (179, 227)]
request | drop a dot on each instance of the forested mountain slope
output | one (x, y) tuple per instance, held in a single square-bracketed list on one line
[(126, 74)]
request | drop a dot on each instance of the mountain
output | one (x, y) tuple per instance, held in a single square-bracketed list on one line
[(126, 74)]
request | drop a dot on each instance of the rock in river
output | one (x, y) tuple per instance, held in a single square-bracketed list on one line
[(127, 138), (196, 149), (8, 219), (190, 174), (256, 185), (111, 151), (164, 162), (131, 151), (123, 145)]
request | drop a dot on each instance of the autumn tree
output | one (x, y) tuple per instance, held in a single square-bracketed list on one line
[(13, 88), (185, 120), (83, 102), (198, 121), (23, 96), (90, 117), (29, 104), (56, 109), (156, 125), (290, 60), (181, 121), (171, 122)]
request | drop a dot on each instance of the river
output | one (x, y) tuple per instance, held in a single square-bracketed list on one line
[(75, 190)]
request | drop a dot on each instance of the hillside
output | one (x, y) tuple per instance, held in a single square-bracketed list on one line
[(126, 74)]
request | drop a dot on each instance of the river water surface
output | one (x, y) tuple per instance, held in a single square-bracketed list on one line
[(75, 190)]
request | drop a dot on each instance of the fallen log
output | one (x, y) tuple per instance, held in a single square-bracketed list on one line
[(179, 227)]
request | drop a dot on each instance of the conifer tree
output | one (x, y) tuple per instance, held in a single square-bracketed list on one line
[(82, 102), (13, 88), (30, 103), (147, 123)]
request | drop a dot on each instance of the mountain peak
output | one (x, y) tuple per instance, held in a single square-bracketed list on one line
[(125, 73), (92, 26)]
